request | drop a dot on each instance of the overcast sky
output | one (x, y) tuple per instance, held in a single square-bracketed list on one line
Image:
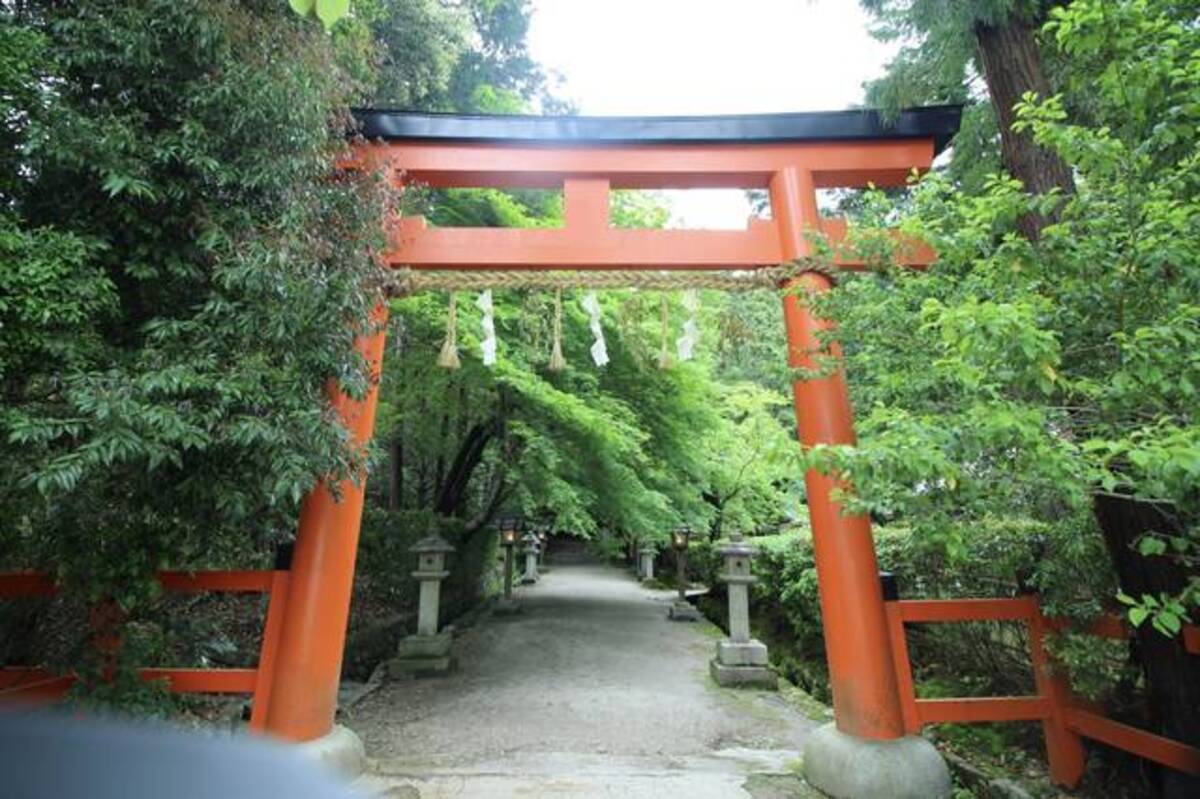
[(658, 57)]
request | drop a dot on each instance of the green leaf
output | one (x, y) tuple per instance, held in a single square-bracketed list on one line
[(1137, 616), (1150, 545), (303, 7), (330, 11), (1167, 623)]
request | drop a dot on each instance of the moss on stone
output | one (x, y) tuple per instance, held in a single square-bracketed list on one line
[(779, 786), (802, 701)]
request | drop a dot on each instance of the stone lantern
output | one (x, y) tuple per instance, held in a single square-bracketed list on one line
[(740, 659), (530, 550), (543, 529), (681, 609), (428, 650), (646, 567), (510, 533)]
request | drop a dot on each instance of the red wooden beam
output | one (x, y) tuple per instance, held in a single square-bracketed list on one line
[(234, 582), (958, 610), (36, 684), (1165, 751), (29, 583), (588, 244), (900, 661), (973, 710), (648, 166), (31, 685), (25, 583), (269, 650), (18, 676), (204, 681)]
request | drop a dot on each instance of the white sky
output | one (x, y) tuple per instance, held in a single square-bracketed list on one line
[(662, 57)]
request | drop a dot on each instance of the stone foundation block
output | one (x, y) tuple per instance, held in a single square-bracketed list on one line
[(747, 653), (742, 676), (506, 607), (847, 767), (400, 668), (683, 611), (426, 646), (340, 750)]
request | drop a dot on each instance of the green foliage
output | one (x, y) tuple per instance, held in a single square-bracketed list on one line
[(1016, 379), (328, 11), (939, 62), (180, 277), (470, 56)]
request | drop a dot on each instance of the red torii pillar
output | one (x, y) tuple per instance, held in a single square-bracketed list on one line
[(844, 758), (308, 663)]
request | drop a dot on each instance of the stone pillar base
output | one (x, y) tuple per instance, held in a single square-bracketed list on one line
[(682, 610), (506, 607), (848, 767), (341, 750), (528, 579), (422, 656), (743, 676), (742, 653), (400, 668), (742, 664)]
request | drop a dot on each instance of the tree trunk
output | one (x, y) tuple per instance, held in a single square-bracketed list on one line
[(1172, 675), (452, 492), (1012, 65), (395, 483)]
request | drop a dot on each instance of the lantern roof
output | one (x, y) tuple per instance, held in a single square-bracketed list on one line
[(431, 543), (738, 547)]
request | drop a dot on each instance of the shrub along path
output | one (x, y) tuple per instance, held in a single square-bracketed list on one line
[(590, 691)]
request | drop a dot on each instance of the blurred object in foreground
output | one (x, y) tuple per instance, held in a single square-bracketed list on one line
[(60, 757)]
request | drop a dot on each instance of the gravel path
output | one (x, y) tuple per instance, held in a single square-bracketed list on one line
[(590, 691)]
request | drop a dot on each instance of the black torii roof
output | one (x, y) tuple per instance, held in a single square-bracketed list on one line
[(938, 122)]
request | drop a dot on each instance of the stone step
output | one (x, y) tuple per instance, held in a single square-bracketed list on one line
[(722, 774)]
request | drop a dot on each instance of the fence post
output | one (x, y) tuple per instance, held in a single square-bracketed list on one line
[(1064, 747), (900, 658), (272, 628)]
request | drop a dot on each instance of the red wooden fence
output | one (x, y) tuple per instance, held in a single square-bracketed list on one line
[(1065, 720), (32, 684)]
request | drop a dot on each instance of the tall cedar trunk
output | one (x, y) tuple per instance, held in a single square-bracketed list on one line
[(1172, 675), (1012, 65), (395, 483)]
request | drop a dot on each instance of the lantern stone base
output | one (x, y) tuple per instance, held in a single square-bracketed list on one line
[(506, 607), (528, 579), (424, 646), (849, 767), (742, 676), (400, 668), (742, 653), (422, 656), (682, 610), (340, 749)]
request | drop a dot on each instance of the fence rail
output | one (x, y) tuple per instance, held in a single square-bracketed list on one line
[(1065, 721), (36, 685)]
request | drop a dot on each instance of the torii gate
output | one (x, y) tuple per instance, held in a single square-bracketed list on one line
[(792, 155)]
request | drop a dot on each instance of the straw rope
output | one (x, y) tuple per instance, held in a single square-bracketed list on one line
[(448, 358), (404, 281), (664, 355), (557, 361)]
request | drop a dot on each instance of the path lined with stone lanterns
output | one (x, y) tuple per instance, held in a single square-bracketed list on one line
[(588, 691)]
